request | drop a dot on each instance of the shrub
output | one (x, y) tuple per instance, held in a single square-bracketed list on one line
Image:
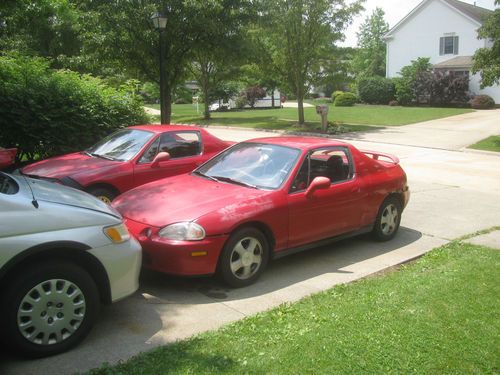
[(376, 90), (335, 94), (413, 85), (150, 91), (447, 89), (346, 99), (482, 102), (241, 101), (46, 113)]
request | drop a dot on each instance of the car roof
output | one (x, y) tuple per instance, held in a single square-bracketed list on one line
[(300, 142), (163, 128)]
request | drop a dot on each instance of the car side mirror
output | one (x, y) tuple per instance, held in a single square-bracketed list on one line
[(161, 156), (319, 183)]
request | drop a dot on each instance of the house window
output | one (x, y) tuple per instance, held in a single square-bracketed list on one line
[(448, 45)]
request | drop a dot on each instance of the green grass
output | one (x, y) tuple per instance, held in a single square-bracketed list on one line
[(438, 315), (357, 118), (489, 144)]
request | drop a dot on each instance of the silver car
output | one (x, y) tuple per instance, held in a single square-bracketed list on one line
[(62, 254)]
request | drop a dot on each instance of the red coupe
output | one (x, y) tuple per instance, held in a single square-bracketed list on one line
[(263, 199), (129, 158), (7, 157)]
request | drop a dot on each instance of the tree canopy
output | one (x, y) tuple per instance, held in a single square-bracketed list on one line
[(300, 35), (487, 60), (370, 59)]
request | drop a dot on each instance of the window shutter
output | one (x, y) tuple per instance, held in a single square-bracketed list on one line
[(441, 46), (455, 45)]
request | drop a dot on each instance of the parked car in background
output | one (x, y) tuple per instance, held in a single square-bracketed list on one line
[(263, 199), (7, 157), (62, 254), (129, 158)]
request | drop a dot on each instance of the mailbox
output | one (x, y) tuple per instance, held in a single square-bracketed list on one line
[(322, 109)]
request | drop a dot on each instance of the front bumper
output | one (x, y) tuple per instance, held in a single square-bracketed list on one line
[(123, 266), (184, 258)]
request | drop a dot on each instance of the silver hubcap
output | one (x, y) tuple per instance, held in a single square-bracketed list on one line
[(389, 219), (246, 258), (51, 312)]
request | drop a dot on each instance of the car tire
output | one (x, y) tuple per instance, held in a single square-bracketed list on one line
[(104, 194), (388, 219), (244, 257), (48, 308)]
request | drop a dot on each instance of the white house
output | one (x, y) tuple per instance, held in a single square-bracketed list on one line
[(446, 32)]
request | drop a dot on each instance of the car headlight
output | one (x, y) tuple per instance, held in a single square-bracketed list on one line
[(117, 233), (186, 231)]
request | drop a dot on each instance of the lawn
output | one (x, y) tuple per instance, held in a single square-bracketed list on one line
[(357, 118), (489, 144), (438, 315)]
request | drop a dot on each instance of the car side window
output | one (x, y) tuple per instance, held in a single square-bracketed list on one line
[(151, 152), (180, 144), (333, 163)]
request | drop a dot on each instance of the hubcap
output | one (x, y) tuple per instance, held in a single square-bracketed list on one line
[(389, 219), (104, 198), (51, 312), (246, 258)]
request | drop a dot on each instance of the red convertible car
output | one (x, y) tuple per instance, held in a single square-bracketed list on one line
[(7, 157), (129, 158), (263, 199)]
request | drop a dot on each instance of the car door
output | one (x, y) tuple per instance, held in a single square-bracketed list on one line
[(327, 212), (186, 153)]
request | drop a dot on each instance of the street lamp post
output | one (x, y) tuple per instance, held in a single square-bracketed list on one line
[(160, 24)]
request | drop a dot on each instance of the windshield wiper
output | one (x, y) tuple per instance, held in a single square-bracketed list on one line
[(206, 176), (236, 182), (103, 156)]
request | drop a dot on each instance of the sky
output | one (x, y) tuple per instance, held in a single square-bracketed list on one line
[(394, 10)]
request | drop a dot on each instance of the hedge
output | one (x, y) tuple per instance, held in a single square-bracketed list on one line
[(46, 113), (346, 99)]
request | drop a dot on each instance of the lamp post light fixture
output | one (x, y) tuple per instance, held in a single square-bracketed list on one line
[(160, 24)]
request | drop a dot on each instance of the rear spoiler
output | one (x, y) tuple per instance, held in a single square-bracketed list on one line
[(377, 155)]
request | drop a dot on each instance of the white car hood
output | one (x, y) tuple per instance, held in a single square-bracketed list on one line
[(55, 193)]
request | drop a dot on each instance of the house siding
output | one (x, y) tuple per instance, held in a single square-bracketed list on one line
[(419, 36)]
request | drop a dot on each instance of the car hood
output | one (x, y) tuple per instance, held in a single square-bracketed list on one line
[(45, 191), (181, 198), (68, 165)]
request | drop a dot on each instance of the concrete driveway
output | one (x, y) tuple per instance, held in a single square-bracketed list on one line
[(454, 192)]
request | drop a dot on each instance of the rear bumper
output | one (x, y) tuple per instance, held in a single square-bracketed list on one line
[(183, 258)]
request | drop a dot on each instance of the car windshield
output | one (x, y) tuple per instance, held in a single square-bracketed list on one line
[(255, 165), (122, 145)]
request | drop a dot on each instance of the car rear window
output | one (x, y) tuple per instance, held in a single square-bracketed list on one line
[(8, 185)]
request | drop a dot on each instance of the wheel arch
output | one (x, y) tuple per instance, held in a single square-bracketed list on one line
[(264, 228), (397, 195), (102, 185), (72, 252)]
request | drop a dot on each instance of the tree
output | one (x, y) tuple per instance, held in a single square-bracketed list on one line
[(370, 59), (220, 51), (300, 34), (120, 35), (487, 60), (45, 28)]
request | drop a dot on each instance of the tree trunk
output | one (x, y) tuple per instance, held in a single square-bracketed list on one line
[(206, 112), (272, 97), (300, 106)]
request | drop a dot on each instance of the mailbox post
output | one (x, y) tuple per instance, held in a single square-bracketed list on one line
[(322, 110)]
